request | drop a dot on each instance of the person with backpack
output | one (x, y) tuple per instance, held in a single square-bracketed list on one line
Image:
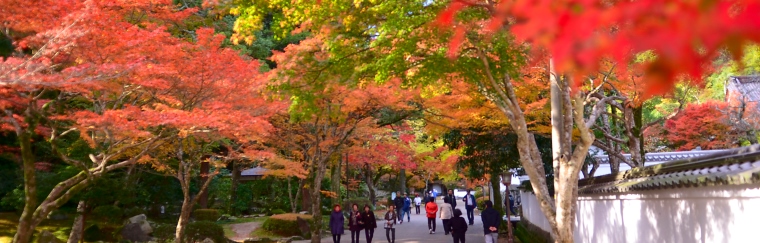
[(431, 209), (458, 227), (355, 223), (336, 223), (390, 221), (446, 213), (491, 222), (369, 222)]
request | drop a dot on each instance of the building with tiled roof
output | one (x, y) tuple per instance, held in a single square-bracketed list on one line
[(743, 88)]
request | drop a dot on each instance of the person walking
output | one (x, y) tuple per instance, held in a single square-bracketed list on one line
[(491, 222), (470, 204), (355, 224), (370, 224), (390, 221), (458, 227), (446, 213), (417, 202), (431, 209), (407, 208), (336, 223), (452, 199), (399, 203)]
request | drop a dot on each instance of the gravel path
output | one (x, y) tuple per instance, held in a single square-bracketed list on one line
[(243, 230), (416, 231)]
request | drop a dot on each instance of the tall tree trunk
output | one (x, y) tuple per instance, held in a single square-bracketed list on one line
[(316, 205), (557, 121), (371, 186), (184, 218), (204, 177), (77, 229), (402, 180), (496, 199), (235, 182), (335, 181), (26, 227), (638, 131)]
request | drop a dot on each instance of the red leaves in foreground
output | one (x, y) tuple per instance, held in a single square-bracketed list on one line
[(684, 35)]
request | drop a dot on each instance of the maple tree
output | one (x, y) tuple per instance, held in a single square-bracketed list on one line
[(702, 125), (48, 90), (579, 35), (111, 73), (325, 116)]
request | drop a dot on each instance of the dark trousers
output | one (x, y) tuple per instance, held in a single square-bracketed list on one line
[(470, 214), (458, 238), (418, 208), (400, 214), (369, 233), (446, 225), (336, 238), (390, 234), (355, 236), (408, 212), (431, 223)]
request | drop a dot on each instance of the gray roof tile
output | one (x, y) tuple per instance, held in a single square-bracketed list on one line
[(736, 167)]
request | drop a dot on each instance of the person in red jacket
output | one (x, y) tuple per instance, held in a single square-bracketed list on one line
[(431, 209)]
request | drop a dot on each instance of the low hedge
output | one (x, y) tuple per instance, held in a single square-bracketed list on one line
[(359, 202), (206, 214), (286, 224), (164, 233), (200, 230), (108, 213)]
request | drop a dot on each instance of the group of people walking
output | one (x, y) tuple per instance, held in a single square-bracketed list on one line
[(451, 217)]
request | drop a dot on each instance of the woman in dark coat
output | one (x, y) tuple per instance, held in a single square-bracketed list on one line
[(370, 223), (336, 223), (355, 223), (458, 226)]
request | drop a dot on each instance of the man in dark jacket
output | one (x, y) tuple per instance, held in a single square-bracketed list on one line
[(399, 203), (491, 221), (470, 204), (452, 199)]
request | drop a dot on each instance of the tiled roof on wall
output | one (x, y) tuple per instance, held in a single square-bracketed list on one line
[(730, 167), (663, 156)]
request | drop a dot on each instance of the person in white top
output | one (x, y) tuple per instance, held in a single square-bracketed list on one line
[(417, 202), (446, 213)]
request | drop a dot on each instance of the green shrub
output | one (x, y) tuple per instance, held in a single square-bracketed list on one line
[(164, 233), (481, 202), (96, 233), (286, 224), (131, 212), (200, 230), (206, 215), (278, 211), (359, 202), (108, 213)]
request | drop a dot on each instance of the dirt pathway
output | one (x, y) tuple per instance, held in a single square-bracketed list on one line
[(243, 230)]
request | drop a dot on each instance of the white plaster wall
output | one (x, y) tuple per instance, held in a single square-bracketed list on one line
[(708, 214), (531, 211), (721, 214)]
